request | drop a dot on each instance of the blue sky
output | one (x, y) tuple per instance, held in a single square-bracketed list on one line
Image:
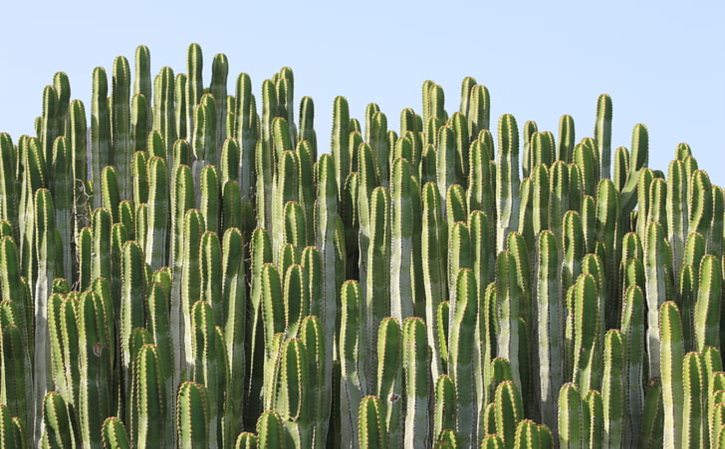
[(663, 64)]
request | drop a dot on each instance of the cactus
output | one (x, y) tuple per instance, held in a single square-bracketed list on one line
[(350, 345), (692, 414), (507, 178), (416, 366), (114, 434), (371, 425), (44, 230), (461, 356), (390, 378), (549, 334), (573, 425), (671, 355), (406, 255), (293, 401), (192, 416), (508, 408)]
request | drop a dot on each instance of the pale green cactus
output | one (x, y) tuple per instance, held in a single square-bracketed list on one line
[(95, 394), (158, 323), (655, 273), (326, 308), (350, 345), (44, 253), (261, 254), (433, 246), (549, 332), (632, 329), (707, 306), (158, 214), (340, 149), (163, 119), (418, 388), (461, 356), (507, 312), (390, 378), (235, 321), (401, 293), (586, 338), (132, 303), (507, 178), (122, 145), (101, 155), (312, 336), (208, 364), (613, 390), (459, 257), (603, 133), (293, 401), (190, 284), (377, 292), (671, 358)]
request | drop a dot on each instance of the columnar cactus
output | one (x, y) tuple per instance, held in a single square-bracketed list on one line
[(549, 334), (418, 387), (571, 297), (671, 358)]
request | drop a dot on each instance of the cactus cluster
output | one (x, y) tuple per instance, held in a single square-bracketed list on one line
[(181, 269)]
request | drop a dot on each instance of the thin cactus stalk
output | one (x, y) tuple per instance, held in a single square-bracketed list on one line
[(121, 123), (461, 356), (549, 333), (401, 288), (390, 378), (377, 302), (655, 292), (352, 372), (507, 178), (632, 329), (94, 353), (671, 362), (44, 230), (507, 312), (693, 418), (416, 366)]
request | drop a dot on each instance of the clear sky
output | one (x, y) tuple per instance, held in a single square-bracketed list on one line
[(663, 64)]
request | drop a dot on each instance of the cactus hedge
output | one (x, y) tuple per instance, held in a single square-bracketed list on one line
[(189, 266)]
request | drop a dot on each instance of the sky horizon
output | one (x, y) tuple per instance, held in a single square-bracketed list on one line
[(663, 66)]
